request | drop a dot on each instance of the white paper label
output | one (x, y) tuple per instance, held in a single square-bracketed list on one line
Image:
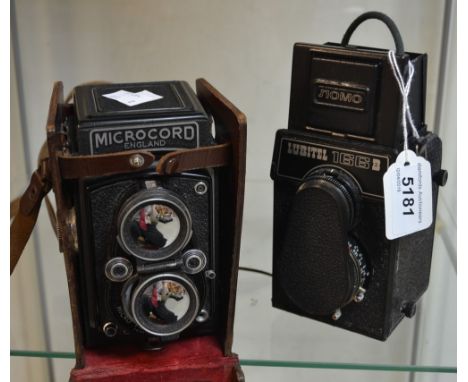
[(133, 99), (408, 196)]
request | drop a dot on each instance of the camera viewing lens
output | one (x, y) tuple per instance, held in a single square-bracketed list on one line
[(165, 304), (154, 224)]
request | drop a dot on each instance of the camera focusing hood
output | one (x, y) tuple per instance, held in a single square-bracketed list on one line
[(154, 116), (349, 91)]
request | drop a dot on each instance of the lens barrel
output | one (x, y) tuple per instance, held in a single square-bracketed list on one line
[(154, 224), (161, 305)]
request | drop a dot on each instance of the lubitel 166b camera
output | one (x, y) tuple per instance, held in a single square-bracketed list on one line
[(331, 258)]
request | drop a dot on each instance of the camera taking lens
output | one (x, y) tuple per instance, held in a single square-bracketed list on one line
[(162, 305)]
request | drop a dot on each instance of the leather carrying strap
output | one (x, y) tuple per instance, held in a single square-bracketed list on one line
[(193, 159), (82, 166), (74, 167), (24, 212)]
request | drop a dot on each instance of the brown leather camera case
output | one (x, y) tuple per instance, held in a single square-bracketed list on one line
[(201, 358)]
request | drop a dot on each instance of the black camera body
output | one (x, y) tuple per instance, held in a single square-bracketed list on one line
[(331, 259), (148, 242)]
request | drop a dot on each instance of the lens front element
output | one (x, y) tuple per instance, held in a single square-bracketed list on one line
[(154, 224), (165, 304)]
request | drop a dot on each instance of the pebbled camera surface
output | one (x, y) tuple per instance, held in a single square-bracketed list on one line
[(102, 202)]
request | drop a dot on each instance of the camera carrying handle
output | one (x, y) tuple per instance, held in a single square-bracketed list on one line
[(400, 49)]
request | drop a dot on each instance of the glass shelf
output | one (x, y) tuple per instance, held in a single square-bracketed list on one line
[(278, 346), (275, 345), (277, 363)]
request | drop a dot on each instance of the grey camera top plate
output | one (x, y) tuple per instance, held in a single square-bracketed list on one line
[(173, 99), (157, 116)]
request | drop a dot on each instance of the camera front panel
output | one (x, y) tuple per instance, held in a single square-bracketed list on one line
[(149, 260), (314, 270), (331, 259), (297, 153)]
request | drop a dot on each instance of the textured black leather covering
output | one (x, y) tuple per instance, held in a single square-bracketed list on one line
[(399, 269), (101, 202)]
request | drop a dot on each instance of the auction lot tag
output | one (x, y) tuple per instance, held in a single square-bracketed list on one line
[(133, 99), (407, 195)]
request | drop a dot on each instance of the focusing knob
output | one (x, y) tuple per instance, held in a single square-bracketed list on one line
[(361, 272), (118, 269), (317, 248), (194, 261)]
